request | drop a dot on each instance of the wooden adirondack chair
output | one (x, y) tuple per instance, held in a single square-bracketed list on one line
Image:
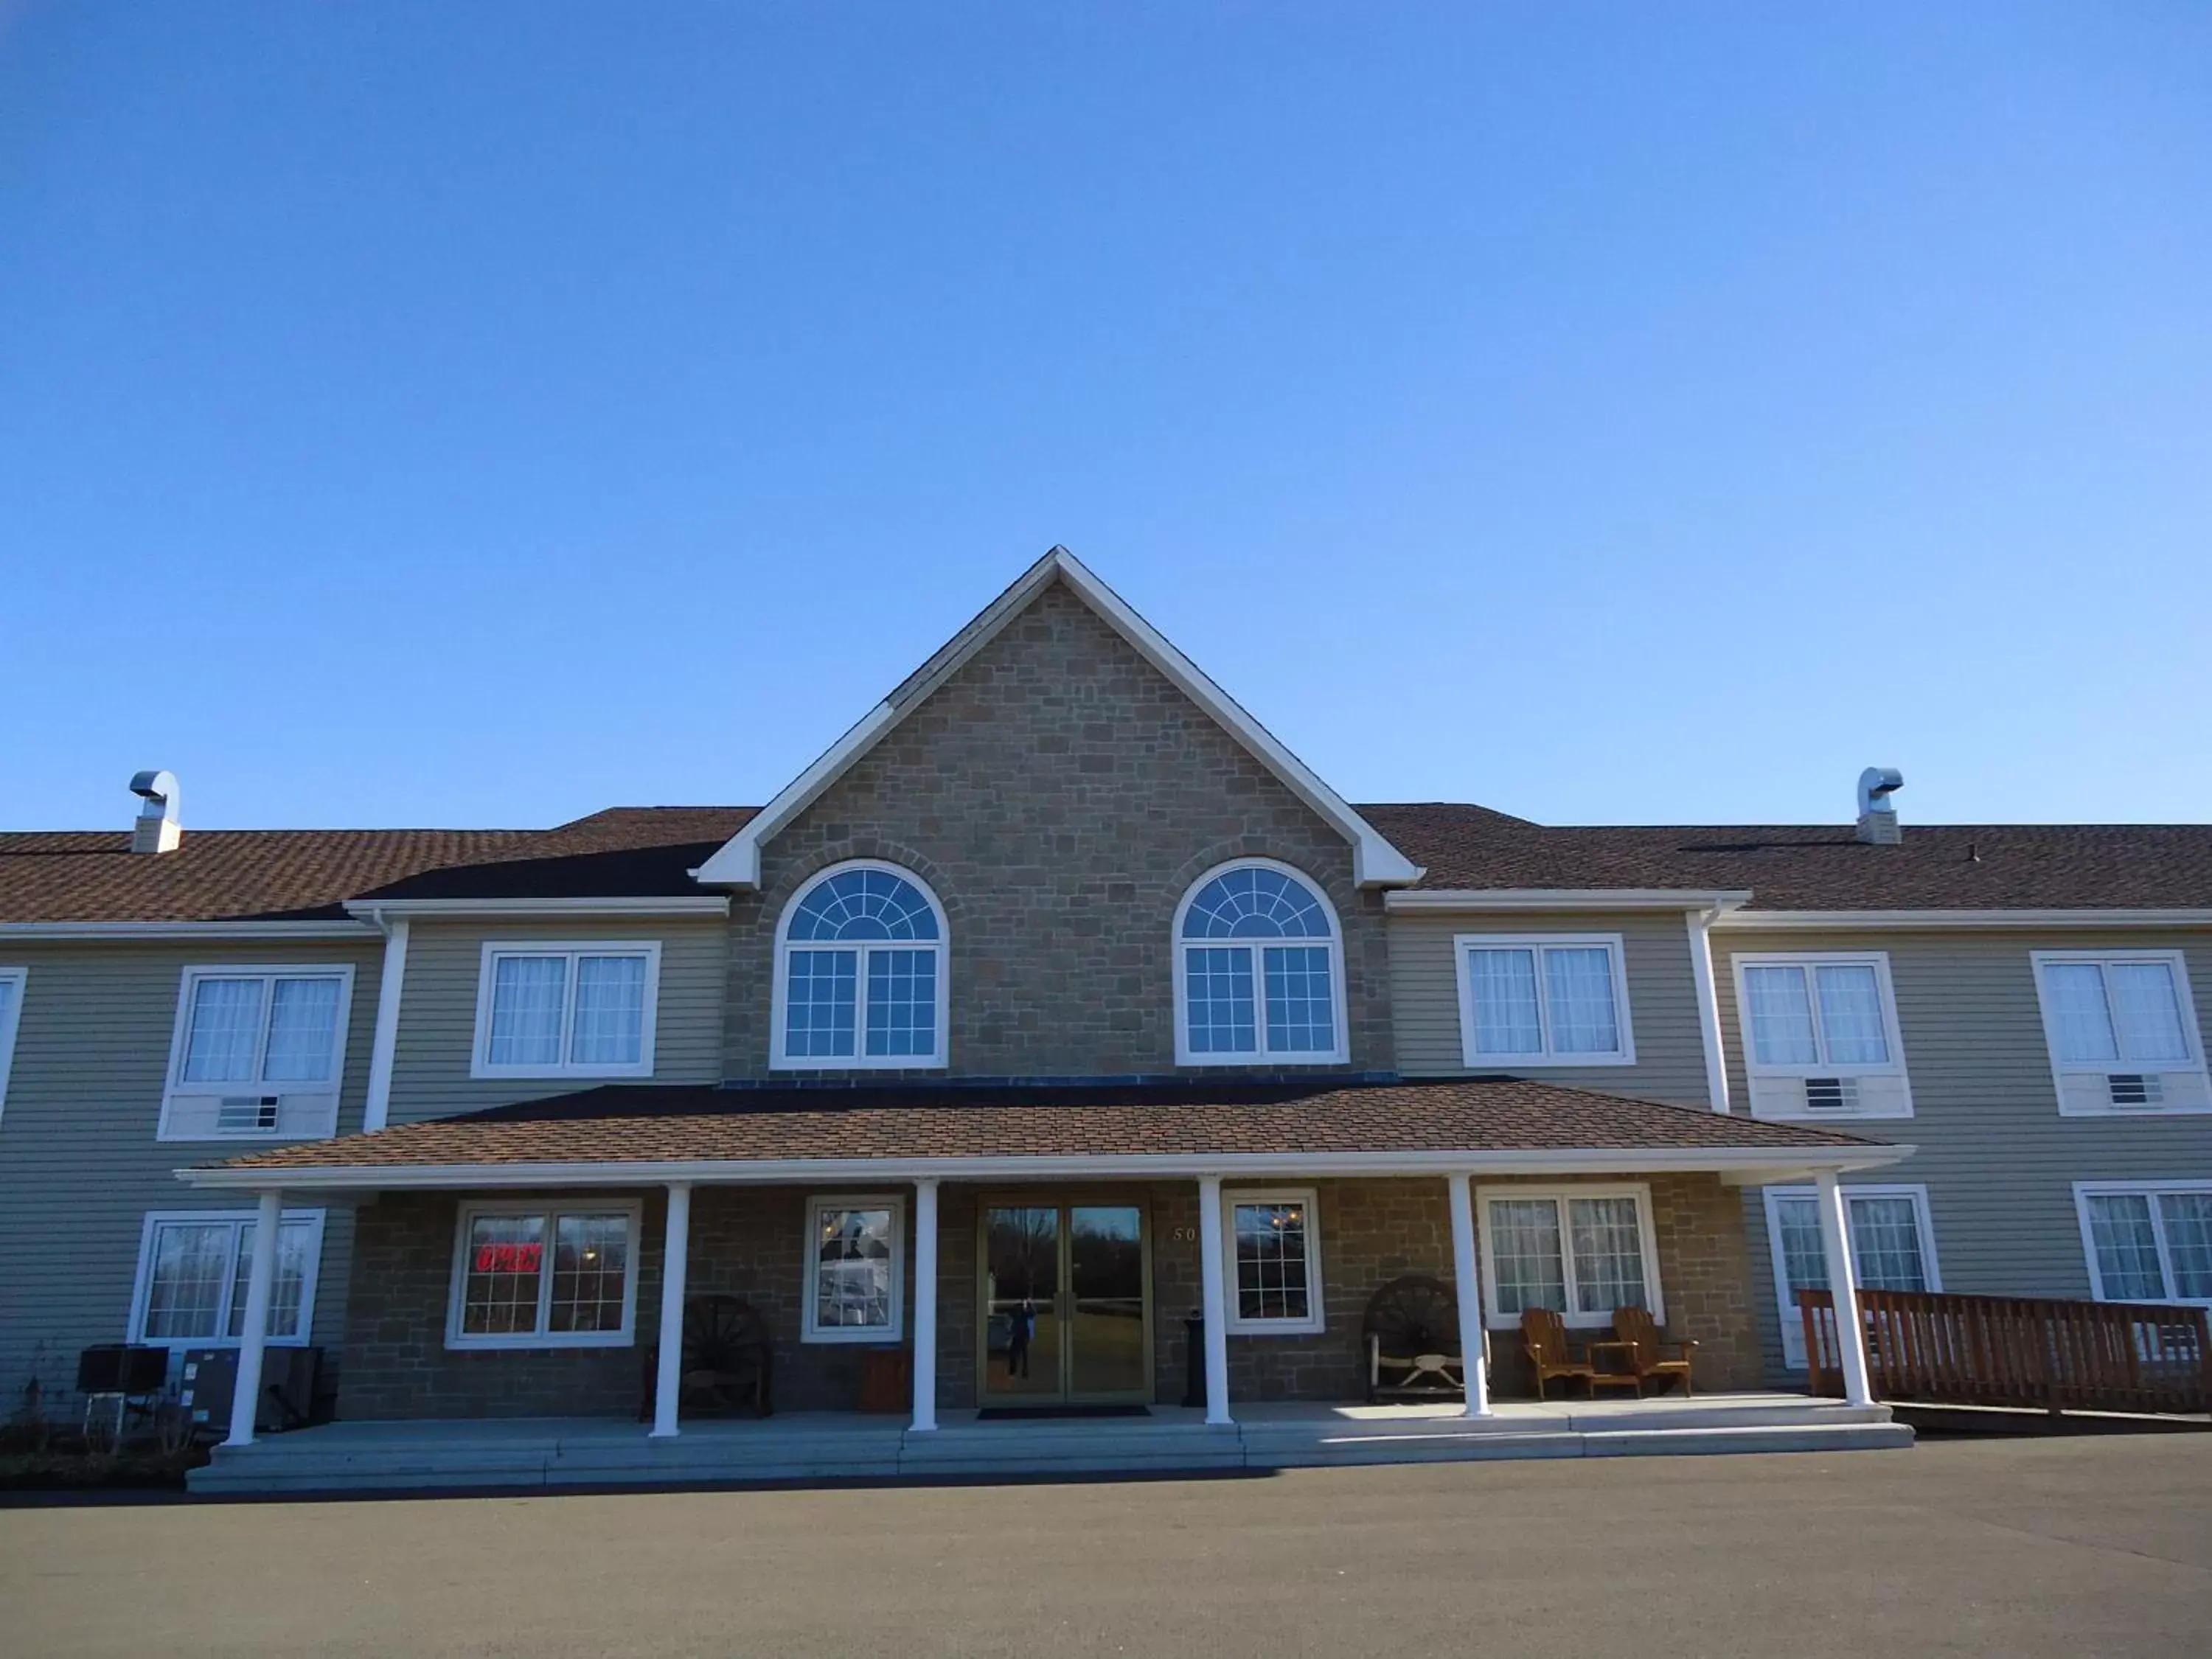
[(1634, 1353), (1544, 1340)]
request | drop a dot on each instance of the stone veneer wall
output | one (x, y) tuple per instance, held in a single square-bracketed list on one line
[(748, 1242), (1060, 795)]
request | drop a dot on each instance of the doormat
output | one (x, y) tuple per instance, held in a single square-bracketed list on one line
[(1015, 1414)]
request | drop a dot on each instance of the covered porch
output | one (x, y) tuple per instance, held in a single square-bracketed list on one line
[(981, 1202), (554, 1453)]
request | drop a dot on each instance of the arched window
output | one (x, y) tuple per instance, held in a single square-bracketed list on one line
[(1259, 970), (859, 972)]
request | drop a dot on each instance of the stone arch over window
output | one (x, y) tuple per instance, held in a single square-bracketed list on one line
[(861, 972), (1259, 969)]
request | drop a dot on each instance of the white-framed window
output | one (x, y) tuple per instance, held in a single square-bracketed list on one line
[(13, 981), (531, 1274), (856, 1287), (860, 973), (1892, 1248), (1580, 1250), (258, 1053), (567, 1009), (2122, 1027), (1543, 999), (1272, 1256), (193, 1269), (1259, 969), (1820, 1037), (2147, 1241)]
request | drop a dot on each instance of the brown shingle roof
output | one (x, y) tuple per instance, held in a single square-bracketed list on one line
[(1937, 866), (644, 1123), (646, 851)]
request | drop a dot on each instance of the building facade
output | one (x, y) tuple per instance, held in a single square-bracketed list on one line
[(1056, 1003)]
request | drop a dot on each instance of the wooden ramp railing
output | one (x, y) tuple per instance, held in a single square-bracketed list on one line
[(2019, 1351)]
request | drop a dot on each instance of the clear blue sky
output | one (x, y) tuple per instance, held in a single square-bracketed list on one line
[(482, 413)]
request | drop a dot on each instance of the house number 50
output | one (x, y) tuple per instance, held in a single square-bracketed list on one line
[(1183, 1235)]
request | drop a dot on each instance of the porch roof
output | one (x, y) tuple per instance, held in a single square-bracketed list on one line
[(629, 1132)]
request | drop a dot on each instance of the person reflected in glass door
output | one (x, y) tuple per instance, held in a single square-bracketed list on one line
[(1021, 1325)]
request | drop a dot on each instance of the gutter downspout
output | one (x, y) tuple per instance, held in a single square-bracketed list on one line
[(1700, 924), (385, 1043)]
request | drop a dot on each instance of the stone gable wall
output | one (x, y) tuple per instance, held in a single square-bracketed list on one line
[(1060, 795)]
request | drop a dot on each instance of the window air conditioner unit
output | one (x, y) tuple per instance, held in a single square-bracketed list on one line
[(2136, 1089), (245, 1115)]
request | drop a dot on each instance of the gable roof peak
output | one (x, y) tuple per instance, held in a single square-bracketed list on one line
[(1376, 862)]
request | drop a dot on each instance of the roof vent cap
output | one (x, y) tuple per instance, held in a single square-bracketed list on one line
[(160, 827), (1877, 816)]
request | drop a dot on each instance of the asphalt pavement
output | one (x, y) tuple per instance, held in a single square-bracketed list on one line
[(2093, 1545)]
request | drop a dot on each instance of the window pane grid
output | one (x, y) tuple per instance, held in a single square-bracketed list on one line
[(2147, 1012), (1781, 1016), (1506, 1021), (1254, 903), (1608, 1255), (527, 1006), (609, 1028), (820, 1000), (2125, 1239), (1525, 1254), (294, 1239), (1220, 1014), (506, 1266), (1578, 1000), (225, 1030), (1851, 1029), (303, 1022), (902, 1002), (1301, 1003), (2187, 1220), (1271, 1281), (590, 1266), (186, 1297)]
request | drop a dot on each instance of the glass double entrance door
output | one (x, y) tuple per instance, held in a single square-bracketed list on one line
[(1066, 1303)]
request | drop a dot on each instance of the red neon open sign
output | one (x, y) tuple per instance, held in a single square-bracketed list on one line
[(510, 1258)]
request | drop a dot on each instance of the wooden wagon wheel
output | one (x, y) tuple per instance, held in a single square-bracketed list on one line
[(1415, 1315), (726, 1354)]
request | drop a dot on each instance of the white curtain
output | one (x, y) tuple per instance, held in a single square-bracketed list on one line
[(226, 1025), (2076, 990), (303, 1022), (1886, 1244), (609, 1029), (2147, 1011), (1504, 983), (1524, 1249), (2126, 1247), (1578, 984), (1781, 1017), (1850, 1014), (2188, 1218), (1608, 1255), (526, 1010)]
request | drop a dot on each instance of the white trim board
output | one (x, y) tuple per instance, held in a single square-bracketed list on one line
[(1746, 1166), (1815, 920), (93, 933), (1375, 861), (693, 904), (1566, 898)]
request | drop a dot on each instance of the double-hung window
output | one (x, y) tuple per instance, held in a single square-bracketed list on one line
[(860, 979), (1892, 1248), (1273, 1254), (2122, 1027), (537, 1275), (856, 1270), (1259, 970), (257, 1053), (1581, 1251), (1821, 1035), (584, 1009), (2147, 1241), (193, 1269), (1555, 1000), (12, 981)]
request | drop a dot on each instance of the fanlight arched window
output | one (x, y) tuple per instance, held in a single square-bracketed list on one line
[(859, 972), (1259, 970)]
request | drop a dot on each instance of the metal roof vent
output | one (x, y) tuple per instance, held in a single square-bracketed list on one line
[(159, 827), (1877, 817)]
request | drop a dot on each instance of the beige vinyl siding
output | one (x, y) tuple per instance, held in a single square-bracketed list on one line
[(79, 1164), (1663, 999), (438, 1009), (1998, 1161)]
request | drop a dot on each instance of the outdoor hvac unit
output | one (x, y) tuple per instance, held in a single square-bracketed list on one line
[(207, 1382)]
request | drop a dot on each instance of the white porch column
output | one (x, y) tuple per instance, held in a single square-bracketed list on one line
[(253, 1341), (1213, 1299), (675, 1264), (1467, 1282), (925, 1304), (1842, 1284), (1700, 923)]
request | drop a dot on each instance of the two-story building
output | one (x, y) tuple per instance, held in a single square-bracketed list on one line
[(1058, 1000)]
